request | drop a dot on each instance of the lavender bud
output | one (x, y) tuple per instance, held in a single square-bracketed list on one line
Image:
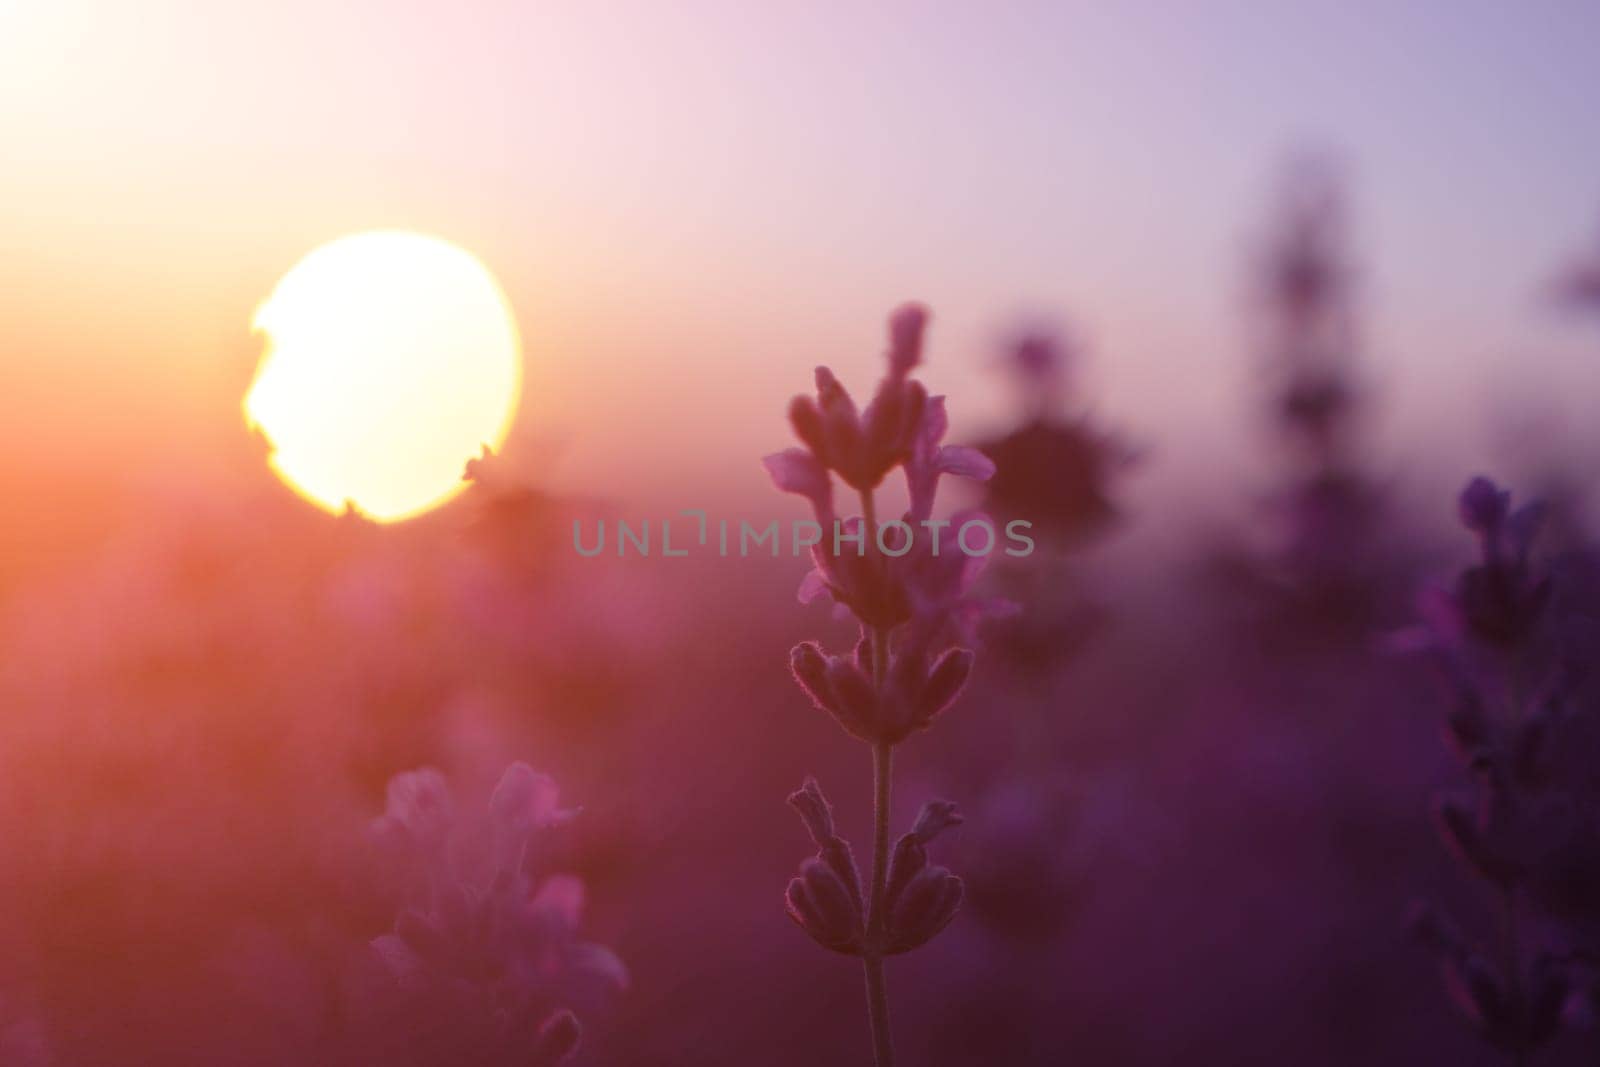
[(863, 652), (523, 799), (807, 423), (1460, 830), (945, 682), (926, 906), (906, 327), (815, 811), (824, 907), (907, 861), (837, 855), (916, 402), (810, 666), (830, 391), (884, 423), (856, 702), (1483, 506), (935, 818), (840, 425), (911, 855), (558, 1039)]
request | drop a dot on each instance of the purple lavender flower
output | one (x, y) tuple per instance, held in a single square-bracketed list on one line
[(485, 957), (912, 604), (1325, 558), (1529, 829), (863, 447), (1055, 469), (920, 898), (825, 900)]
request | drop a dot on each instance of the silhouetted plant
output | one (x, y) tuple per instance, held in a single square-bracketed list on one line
[(910, 601), (1058, 471), (1055, 468), (1325, 558), (1515, 651), (1311, 344)]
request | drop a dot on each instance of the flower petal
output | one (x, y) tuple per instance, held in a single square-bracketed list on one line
[(812, 586), (796, 470), (965, 462)]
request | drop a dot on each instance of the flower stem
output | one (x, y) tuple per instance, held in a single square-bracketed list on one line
[(882, 787), (1511, 932), (1513, 965), (872, 958)]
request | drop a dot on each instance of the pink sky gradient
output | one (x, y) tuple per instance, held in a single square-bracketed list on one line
[(690, 207)]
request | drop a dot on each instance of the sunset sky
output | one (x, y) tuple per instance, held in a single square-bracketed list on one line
[(689, 205)]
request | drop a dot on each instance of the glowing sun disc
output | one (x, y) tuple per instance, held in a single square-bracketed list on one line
[(391, 359)]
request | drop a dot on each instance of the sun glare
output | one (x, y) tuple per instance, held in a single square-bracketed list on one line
[(391, 359)]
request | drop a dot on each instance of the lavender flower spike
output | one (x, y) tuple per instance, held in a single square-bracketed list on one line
[(1525, 826), (909, 663)]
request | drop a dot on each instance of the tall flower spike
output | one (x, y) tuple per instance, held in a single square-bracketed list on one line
[(913, 611), (1516, 830)]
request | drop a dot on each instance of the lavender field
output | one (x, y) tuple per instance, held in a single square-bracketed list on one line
[(1102, 599)]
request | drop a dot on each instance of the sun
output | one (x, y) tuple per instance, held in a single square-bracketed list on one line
[(391, 359)]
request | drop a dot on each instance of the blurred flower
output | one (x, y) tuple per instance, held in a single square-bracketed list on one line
[(1054, 469), (1530, 828), (1578, 287), (484, 954)]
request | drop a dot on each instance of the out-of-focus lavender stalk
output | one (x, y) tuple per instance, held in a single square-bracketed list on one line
[(908, 664), (1578, 286), (1528, 827)]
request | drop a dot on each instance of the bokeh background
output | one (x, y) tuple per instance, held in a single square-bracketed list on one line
[(1197, 782)]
